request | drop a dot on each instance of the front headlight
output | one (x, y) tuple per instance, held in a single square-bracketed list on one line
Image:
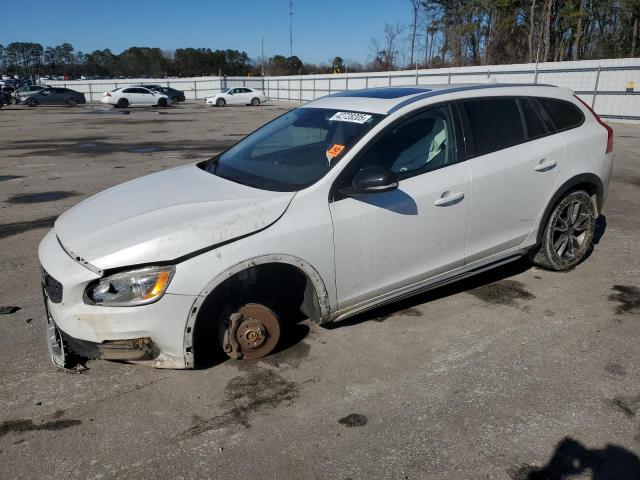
[(126, 289)]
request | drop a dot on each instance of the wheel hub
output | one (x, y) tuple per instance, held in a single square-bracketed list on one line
[(252, 332)]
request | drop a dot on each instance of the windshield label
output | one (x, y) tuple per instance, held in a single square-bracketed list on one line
[(350, 117)]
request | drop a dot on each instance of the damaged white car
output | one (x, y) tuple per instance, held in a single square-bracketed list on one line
[(336, 207)]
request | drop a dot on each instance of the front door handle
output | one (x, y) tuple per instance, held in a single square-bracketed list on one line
[(545, 165), (448, 198)]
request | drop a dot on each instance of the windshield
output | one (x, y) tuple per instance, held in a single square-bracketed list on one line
[(293, 151)]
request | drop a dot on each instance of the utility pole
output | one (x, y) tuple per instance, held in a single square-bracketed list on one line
[(290, 28), (262, 56)]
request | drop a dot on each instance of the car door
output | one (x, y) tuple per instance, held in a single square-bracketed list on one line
[(130, 95), (234, 97), (392, 240), (515, 166), (147, 97), (46, 97)]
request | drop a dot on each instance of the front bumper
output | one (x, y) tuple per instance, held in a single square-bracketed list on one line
[(112, 332)]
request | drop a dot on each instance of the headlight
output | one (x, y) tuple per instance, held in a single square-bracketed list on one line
[(136, 287)]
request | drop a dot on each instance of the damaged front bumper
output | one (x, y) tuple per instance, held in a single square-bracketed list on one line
[(136, 349), (149, 334)]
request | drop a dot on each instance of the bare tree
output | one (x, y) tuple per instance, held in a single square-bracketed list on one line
[(415, 8), (392, 33)]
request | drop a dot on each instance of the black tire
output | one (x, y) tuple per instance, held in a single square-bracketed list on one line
[(175, 99), (122, 103), (32, 102), (162, 102), (220, 102), (255, 101), (72, 102), (13, 101), (568, 234)]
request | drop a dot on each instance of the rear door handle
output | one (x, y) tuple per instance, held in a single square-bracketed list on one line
[(545, 165), (449, 198)]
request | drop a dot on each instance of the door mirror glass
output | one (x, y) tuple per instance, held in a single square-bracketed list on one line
[(372, 179)]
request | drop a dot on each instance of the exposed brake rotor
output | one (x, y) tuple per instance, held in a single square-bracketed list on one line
[(252, 332)]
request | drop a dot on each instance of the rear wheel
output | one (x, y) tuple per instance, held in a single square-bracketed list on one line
[(72, 102), (220, 102), (175, 99), (32, 102), (568, 234), (162, 102), (13, 100), (122, 103), (255, 102)]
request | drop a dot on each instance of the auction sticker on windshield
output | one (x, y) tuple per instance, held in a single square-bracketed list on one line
[(350, 117)]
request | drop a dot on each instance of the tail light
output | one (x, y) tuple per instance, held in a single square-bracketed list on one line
[(607, 127), (107, 94)]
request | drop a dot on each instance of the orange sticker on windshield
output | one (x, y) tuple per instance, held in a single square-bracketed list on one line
[(334, 151)]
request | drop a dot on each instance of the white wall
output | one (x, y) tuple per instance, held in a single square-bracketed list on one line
[(610, 75)]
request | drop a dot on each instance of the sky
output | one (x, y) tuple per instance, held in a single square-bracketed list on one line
[(321, 29)]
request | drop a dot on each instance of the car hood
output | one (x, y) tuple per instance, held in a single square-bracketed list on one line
[(164, 216)]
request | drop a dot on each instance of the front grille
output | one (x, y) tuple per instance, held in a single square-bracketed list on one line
[(52, 287)]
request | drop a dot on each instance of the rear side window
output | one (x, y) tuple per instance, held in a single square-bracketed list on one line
[(563, 114), (495, 124), (535, 125)]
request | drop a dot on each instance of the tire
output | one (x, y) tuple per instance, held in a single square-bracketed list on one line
[(32, 102), (122, 103), (13, 101), (162, 102), (175, 99), (568, 235), (220, 102), (255, 102), (72, 102)]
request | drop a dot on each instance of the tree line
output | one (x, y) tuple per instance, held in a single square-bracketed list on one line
[(32, 59), (489, 32)]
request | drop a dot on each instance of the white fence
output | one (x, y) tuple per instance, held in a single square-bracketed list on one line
[(612, 86)]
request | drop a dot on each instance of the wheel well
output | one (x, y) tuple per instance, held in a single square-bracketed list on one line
[(280, 286), (588, 182)]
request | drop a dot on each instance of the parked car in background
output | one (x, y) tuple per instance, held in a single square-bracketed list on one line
[(23, 92), (176, 96), (55, 96), (5, 99), (237, 96), (344, 204), (9, 89), (135, 96)]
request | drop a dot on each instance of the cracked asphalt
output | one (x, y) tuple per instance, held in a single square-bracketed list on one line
[(518, 374)]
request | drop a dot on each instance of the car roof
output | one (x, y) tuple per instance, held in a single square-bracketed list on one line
[(387, 100)]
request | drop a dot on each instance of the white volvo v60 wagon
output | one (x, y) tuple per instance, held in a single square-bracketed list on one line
[(341, 205)]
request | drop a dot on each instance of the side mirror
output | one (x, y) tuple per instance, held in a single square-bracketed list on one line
[(372, 179)]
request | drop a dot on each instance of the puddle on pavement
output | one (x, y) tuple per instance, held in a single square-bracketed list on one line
[(41, 197), (353, 420), (22, 426), (504, 292), (9, 229), (145, 149), (4, 178), (258, 389), (629, 298)]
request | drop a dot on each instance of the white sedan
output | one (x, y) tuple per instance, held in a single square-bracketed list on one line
[(237, 96), (134, 96)]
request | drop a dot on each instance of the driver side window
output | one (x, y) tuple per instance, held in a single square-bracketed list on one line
[(416, 145)]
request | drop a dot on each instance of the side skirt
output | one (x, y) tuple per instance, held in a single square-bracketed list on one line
[(424, 286)]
